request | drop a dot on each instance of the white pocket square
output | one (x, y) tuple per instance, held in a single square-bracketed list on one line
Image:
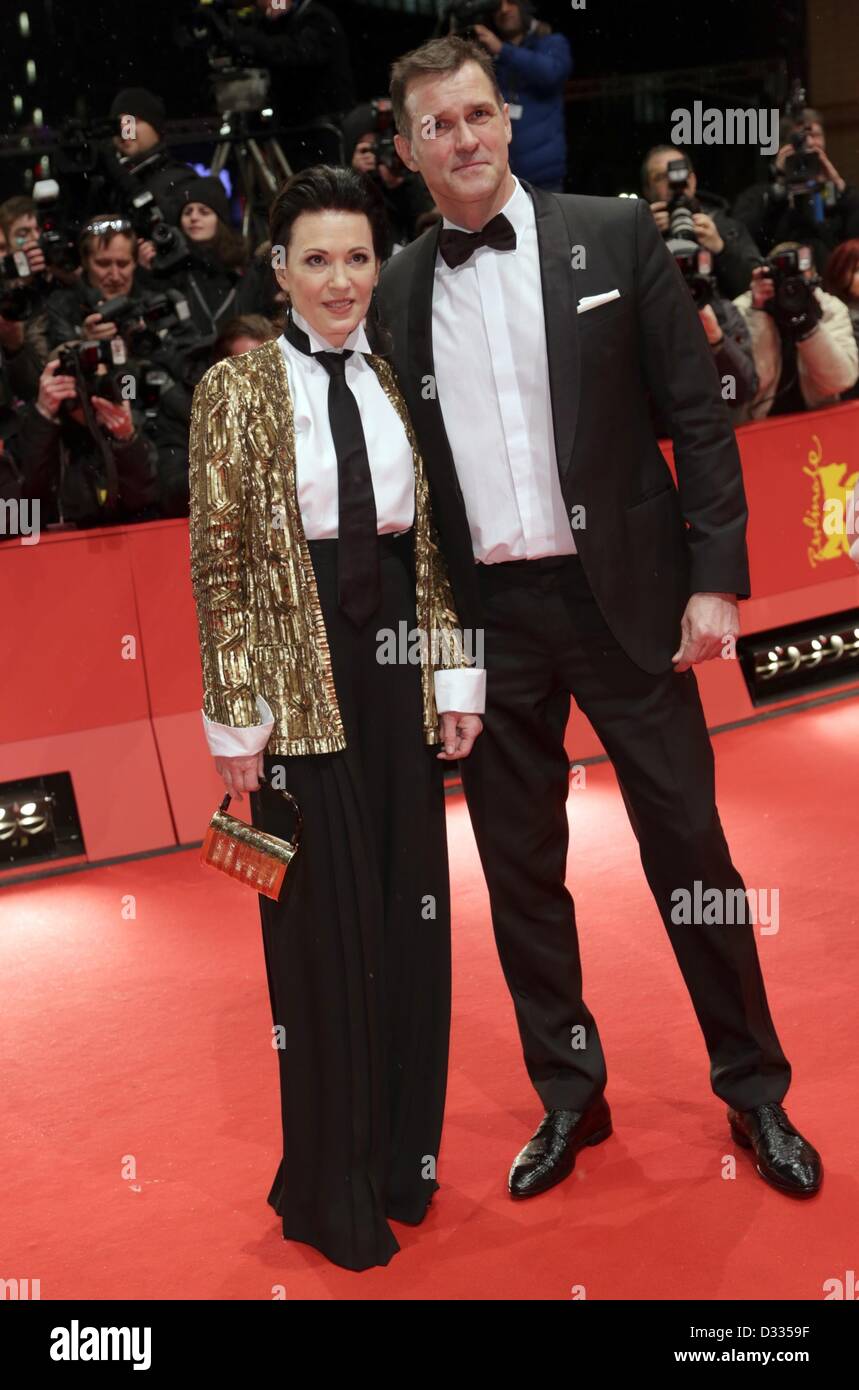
[(593, 301)]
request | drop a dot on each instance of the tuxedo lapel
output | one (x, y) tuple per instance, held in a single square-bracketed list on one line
[(437, 450), (562, 330)]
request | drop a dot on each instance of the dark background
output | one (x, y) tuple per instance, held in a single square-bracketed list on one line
[(734, 53)]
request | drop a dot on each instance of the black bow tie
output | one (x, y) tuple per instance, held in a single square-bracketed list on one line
[(456, 246)]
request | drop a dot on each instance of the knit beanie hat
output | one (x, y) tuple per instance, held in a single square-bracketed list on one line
[(146, 106), (208, 190)]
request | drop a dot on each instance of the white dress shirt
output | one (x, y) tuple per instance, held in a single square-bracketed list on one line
[(492, 378), (393, 475)]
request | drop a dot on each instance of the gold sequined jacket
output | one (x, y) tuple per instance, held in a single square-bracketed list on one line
[(258, 612)]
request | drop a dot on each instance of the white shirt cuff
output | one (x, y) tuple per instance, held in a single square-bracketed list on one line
[(461, 689), (229, 741)]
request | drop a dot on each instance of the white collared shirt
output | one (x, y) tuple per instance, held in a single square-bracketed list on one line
[(492, 378), (388, 450), (393, 474)]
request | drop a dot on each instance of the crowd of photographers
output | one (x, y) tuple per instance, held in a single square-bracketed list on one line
[(105, 333)]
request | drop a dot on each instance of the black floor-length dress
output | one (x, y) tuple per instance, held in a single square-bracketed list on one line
[(357, 949)]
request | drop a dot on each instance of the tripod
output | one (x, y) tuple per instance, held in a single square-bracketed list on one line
[(241, 98), (261, 168)]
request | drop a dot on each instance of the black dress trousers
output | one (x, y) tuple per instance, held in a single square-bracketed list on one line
[(545, 639), (357, 948)]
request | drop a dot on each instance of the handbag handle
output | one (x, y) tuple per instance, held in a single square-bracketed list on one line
[(299, 819)]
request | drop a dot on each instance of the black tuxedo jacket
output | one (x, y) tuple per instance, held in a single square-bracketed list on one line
[(646, 544)]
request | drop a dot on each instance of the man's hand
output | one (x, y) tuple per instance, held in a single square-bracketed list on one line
[(708, 233), (762, 287), (36, 258), (660, 216), (115, 416), (707, 621), (712, 327), (97, 327), (54, 389), (458, 732), (830, 171), (487, 38)]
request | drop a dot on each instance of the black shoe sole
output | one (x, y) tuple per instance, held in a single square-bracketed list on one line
[(559, 1174), (745, 1143)]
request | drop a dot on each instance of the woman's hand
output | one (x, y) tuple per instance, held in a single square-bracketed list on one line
[(458, 732), (243, 774)]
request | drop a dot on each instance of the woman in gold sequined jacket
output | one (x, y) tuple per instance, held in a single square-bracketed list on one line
[(353, 715)]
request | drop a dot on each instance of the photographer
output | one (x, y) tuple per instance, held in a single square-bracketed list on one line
[(141, 149), (302, 42), (368, 146), (23, 296), (681, 208), (802, 338), (87, 461), (724, 328), (532, 66), (805, 199), (214, 254), (109, 268), (13, 473)]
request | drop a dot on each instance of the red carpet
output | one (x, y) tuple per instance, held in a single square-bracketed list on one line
[(141, 1131)]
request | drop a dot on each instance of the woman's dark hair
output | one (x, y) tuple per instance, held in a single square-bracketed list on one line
[(327, 188), (840, 269), (228, 247), (330, 188)]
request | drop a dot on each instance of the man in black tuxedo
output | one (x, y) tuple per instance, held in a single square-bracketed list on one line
[(528, 333)]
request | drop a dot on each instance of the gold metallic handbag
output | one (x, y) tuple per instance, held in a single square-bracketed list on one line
[(252, 856)]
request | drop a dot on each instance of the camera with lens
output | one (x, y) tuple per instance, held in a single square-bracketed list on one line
[(19, 299), (680, 204), (464, 14), (695, 264), (82, 361), (794, 305), (383, 125), (150, 224), (803, 171), (142, 322), (79, 144)]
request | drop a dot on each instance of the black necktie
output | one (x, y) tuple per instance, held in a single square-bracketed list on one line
[(456, 246), (358, 585)]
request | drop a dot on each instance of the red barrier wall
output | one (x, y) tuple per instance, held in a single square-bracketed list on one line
[(102, 668)]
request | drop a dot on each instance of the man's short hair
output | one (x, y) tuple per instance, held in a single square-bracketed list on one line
[(437, 57), (15, 207), (662, 149)]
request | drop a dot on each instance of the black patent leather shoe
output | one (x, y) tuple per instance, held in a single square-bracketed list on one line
[(550, 1156), (784, 1158)]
